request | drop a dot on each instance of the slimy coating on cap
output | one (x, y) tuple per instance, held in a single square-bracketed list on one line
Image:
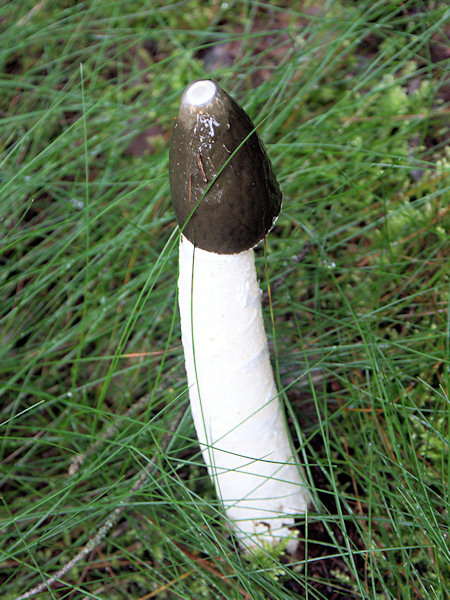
[(224, 192)]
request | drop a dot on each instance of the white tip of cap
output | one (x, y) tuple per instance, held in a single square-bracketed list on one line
[(199, 93)]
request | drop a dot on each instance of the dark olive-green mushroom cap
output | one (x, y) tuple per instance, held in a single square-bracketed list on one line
[(218, 166)]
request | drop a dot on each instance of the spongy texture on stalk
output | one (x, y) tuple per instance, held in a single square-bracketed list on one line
[(235, 405)]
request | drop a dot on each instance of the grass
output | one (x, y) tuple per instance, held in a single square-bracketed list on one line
[(351, 102)]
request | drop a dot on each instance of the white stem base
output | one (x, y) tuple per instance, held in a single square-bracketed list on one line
[(235, 406)]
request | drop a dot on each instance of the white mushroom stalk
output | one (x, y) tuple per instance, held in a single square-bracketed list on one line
[(238, 416)]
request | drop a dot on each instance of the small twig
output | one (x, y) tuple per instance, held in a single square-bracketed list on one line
[(200, 166), (113, 518), (79, 459), (26, 445), (31, 12)]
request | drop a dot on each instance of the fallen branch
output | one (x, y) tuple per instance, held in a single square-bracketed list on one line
[(78, 460), (110, 522)]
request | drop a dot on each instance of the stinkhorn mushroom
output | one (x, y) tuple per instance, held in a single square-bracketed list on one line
[(226, 199)]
